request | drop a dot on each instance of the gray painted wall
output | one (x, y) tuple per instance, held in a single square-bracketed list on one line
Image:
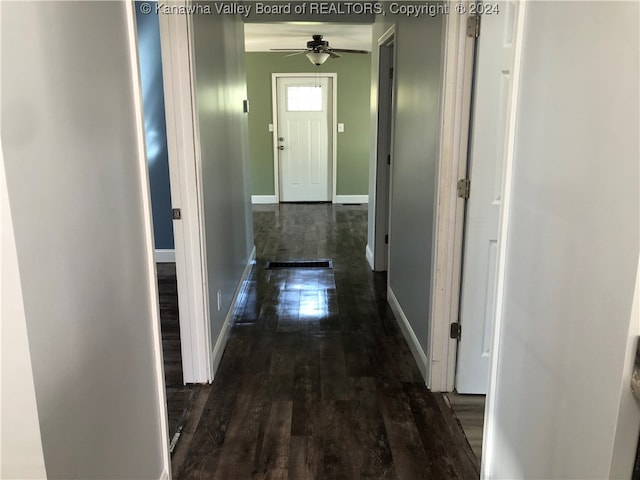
[(221, 88), (155, 126), (416, 149), (84, 262), (572, 248)]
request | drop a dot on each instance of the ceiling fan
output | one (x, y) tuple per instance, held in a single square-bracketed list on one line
[(318, 50)]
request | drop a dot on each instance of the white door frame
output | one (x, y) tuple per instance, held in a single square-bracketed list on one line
[(148, 227), (333, 126), (378, 258), (489, 433), (449, 226), (449, 222), (183, 143)]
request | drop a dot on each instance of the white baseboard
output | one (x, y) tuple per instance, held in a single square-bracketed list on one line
[(351, 199), (263, 199), (271, 199), (409, 334), (165, 256), (369, 254), (221, 343)]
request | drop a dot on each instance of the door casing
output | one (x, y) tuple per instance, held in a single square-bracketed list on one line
[(489, 433), (458, 66), (183, 145), (449, 222), (378, 256), (333, 127)]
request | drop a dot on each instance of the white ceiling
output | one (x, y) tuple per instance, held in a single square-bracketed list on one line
[(261, 37)]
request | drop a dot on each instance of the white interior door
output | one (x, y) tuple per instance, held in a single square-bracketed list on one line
[(488, 138), (304, 138)]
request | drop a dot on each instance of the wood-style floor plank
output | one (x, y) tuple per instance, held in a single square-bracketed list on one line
[(170, 326), (409, 457), (469, 409), (305, 458), (179, 397)]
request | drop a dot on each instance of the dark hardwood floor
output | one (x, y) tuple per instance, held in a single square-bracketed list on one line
[(469, 410), (179, 397), (169, 324), (317, 381)]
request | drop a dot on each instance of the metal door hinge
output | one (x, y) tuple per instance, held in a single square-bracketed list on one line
[(391, 73), (464, 188), (456, 331), (386, 238), (473, 26), (177, 214), (388, 159)]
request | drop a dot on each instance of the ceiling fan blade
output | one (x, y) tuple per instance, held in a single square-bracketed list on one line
[(295, 53), (347, 50), (332, 54), (288, 49)]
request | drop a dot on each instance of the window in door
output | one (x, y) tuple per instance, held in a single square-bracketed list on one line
[(304, 99)]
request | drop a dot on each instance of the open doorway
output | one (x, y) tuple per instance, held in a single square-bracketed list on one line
[(418, 150), (349, 77), (417, 146)]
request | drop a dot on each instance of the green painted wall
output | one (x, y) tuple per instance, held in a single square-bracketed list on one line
[(354, 85)]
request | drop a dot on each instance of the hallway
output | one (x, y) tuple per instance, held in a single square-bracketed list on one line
[(317, 381)]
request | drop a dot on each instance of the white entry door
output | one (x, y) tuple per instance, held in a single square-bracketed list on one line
[(304, 138), (487, 155)]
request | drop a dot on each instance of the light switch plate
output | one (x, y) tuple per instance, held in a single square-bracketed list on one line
[(271, 127), (340, 127)]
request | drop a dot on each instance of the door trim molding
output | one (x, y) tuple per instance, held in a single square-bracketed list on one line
[(380, 184), (333, 125), (143, 169), (449, 222), (489, 432), (183, 145)]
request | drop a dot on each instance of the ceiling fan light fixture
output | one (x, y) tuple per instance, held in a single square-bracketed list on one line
[(317, 58)]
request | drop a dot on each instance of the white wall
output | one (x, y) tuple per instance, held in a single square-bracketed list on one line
[(73, 152), (223, 127), (572, 247)]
